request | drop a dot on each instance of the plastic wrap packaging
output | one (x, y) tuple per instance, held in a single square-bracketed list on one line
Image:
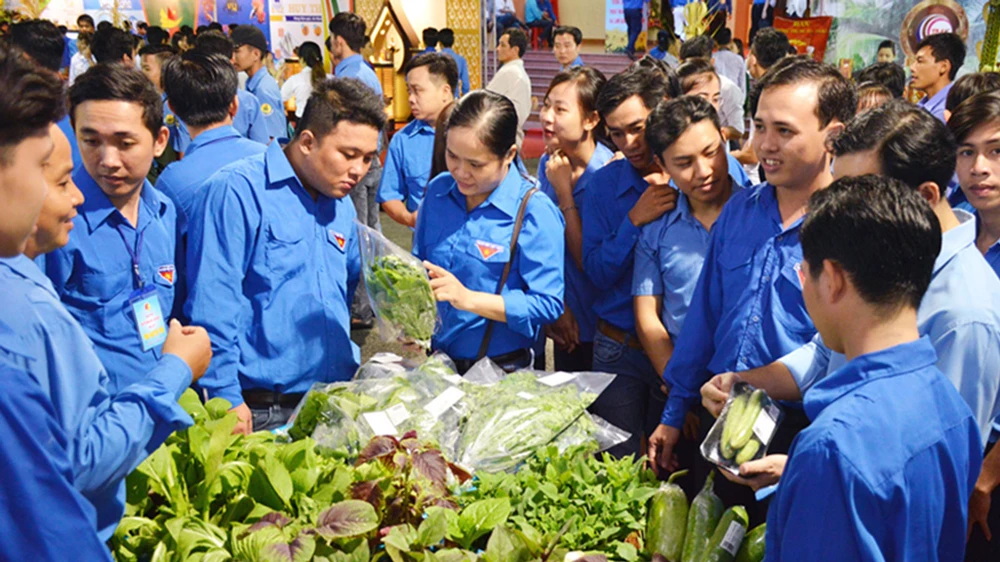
[(591, 431), (744, 429)]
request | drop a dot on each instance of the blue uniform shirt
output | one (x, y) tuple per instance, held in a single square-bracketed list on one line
[(355, 66), (463, 70), (248, 122), (67, 128), (936, 104), (272, 273), (408, 165), (992, 254), (887, 466), (183, 181), (580, 292), (42, 516), (960, 314), (93, 275), (657, 53), (475, 245), (109, 433), (669, 258), (747, 309), (263, 85), (576, 62)]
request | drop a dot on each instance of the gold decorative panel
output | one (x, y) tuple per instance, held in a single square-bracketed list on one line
[(368, 10), (463, 18)]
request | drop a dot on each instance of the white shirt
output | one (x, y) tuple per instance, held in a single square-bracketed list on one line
[(731, 105), (299, 87), (505, 6), (513, 82), (78, 65), (732, 66)]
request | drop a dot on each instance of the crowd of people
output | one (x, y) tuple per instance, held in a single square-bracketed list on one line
[(162, 227)]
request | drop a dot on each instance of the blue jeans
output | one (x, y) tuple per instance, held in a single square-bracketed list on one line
[(634, 401), (507, 20), (270, 418), (633, 19)]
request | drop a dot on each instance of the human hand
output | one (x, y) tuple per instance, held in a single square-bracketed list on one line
[(656, 200), (447, 288), (192, 345), (715, 392), (660, 449), (692, 426), (245, 425), (565, 331), (559, 172), (760, 473), (979, 509), (411, 220)]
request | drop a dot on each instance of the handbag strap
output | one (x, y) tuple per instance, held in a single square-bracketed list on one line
[(518, 223)]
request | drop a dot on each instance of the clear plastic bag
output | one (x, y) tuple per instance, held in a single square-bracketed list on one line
[(744, 429), (593, 432), (399, 290)]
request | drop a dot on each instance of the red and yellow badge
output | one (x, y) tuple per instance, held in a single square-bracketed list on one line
[(488, 249), (166, 272), (339, 238), (266, 109)]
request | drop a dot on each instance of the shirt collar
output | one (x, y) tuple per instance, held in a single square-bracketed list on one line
[(993, 245), (349, 61), (629, 179), (97, 208), (938, 98), (420, 127), (210, 136), (684, 206), (956, 239), (506, 197), (277, 169), (21, 265), (897, 360), (514, 63)]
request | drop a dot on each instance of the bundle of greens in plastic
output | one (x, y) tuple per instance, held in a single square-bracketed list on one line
[(398, 288)]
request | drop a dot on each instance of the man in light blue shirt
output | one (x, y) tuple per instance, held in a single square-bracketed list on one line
[(936, 63), (447, 38), (248, 56), (566, 41), (273, 259)]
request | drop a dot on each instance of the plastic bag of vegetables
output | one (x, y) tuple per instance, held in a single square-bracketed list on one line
[(744, 429), (398, 288)]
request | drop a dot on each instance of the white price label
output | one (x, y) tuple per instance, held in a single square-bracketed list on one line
[(734, 538), (445, 400), (526, 395), (386, 358), (398, 414), (763, 427), (556, 379), (380, 423), (453, 379)]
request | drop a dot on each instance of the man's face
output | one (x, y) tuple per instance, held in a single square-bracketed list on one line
[(814, 297), (506, 53), (627, 128), (886, 54), (697, 163), (85, 25), (565, 48), (427, 94), (22, 190), (244, 57), (709, 88), (978, 167), (56, 219), (753, 67), (152, 69), (926, 71), (116, 147), (335, 163), (788, 138)]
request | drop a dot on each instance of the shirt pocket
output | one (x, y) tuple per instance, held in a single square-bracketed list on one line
[(486, 262), (285, 249), (103, 299), (791, 310)]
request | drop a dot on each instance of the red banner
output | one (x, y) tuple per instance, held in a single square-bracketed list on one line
[(807, 35)]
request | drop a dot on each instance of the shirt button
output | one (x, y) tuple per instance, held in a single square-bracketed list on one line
[(755, 319), (767, 278)]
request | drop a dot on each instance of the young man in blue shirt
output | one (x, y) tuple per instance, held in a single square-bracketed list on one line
[(566, 41), (633, 23), (431, 81), (202, 89), (248, 56), (888, 464), (273, 258), (447, 38), (430, 37), (936, 63), (620, 199)]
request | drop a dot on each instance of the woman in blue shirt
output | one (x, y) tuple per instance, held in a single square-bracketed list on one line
[(570, 122), (466, 241)]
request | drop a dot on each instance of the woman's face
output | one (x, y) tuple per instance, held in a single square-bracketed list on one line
[(563, 121), (476, 170)]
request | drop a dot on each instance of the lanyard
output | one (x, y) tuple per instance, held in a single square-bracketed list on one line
[(135, 254)]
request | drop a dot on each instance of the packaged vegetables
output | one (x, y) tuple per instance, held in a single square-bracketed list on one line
[(744, 429)]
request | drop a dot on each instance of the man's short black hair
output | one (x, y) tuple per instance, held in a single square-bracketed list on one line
[(568, 30), (200, 87), (978, 110), (111, 45), (84, 17), (105, 24), (430, 37), (446, 37), (441, 67), (650, 85), (970, 85), (351, 28), (216, 26), (161, 51), (41, 40), (214, 43), (837, 98), (200, 29), (945, 46), (663, 70), (341, 99), (118, 82), (671, 118), (888, 74), (881, 232), (769, 46), (31, 99), (887, 44), (723, 37), (186, 30), (695, 71), (156, 35), (516, 39), (144, 25), (913, 146), (697, 47)]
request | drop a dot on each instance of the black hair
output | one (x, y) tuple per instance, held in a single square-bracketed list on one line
[(664, 71), (311, 56), (85, 17), (978, 110), (446, 37), (945, 46), (104, 25), (589, 83), (214, 42), (216, 26), (430, 37), (156, 35), (439, 160), (441, 67), (84, 38), (887, 44), (700, 46), (694, 71), (118, 82), (111, 45), (646, 83), (664, 39), (836, 98), (872, 95), (883, 235), (200, 29), (888, 74), (62, 29), (186, 30), (351, 28), (31, 99), (41, 40), (668, 121), (161, 51), (516, 39), (724, 36), (568, 30), (913, 146), (144, 25), (493, 118), (200, 87), (970, 85), (341, 99), (739, 45), (769, 46)]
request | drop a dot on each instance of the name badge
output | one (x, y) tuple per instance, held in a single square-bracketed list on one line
[(148, 317)]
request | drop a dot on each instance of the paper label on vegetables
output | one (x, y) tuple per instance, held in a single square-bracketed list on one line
[(556, 379), (380, 423), (526, 395), (763, 427), (386, 358), (453, 379), (445, 400), (397, 414), (734, 538)]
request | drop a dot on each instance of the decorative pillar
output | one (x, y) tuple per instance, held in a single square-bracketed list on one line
[(463, 18)]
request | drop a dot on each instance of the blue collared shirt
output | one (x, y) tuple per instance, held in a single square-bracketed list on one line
[(264, 86), (887, 466), (576, 62), (936, 104), (670, 255), (747, 309), (67, 128), (580, 292), (463, 70), (657, 53), (408, 165), (93, 275), (633, 4), (272, 273), (249, 122), (992, 254), (42, 516), (475, 245), (960, 314), (183, 181), (109, 433), (355, 66), (179, 136)]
